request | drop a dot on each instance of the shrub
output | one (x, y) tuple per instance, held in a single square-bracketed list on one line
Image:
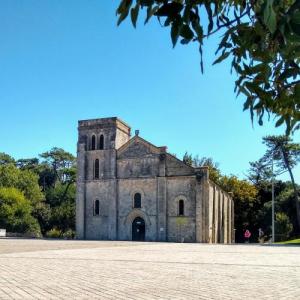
[(283, 227), (69, 234), (54, 233)]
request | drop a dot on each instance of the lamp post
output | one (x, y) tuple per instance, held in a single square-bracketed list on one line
[(273, 202)]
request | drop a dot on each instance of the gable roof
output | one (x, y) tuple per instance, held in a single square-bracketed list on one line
[(138, 140), (155, 150)]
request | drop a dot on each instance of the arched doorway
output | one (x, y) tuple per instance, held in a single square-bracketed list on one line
[(138, 229)]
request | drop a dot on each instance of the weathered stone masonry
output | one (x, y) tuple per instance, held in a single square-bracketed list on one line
[(129, 189)]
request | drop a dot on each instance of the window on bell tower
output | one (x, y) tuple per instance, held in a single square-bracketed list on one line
[(101, 142), (93, 146), (96, 168)]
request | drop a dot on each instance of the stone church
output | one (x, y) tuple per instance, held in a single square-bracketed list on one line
[(130, 189)]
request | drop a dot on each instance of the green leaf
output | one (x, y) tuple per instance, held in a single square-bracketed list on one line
[(201, 58), (249, 100), (184, 41), (279, 122), (210, 18), (169, 9), (296, 28), (198, 29), (291, 72), (270, 16), (150, 12), (221, 58), (146, 2), (186, 32), (296, 17), (246, 93), (175, 32), (134, 14), (297, 91), (123, 10)]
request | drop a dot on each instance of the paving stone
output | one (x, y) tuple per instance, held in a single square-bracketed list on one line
[(50, 269)]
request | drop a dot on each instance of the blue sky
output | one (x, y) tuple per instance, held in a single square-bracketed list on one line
[(62, 61)]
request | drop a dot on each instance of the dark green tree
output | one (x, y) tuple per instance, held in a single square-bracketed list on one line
[(187, 159), (28, 164), (259, 172), (262, 37), (62, 163), (285, 154), (58, 176), (6, 159)]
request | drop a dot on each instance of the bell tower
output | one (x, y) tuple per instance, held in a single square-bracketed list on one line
[(98, 141)]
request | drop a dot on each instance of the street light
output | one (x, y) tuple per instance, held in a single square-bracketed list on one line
[(273, 199), (273, 202)]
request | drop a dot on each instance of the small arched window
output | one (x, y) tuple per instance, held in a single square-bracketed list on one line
[(93, 146), (97, 208), (137, 200), (101, 142), (181, 208), (96, 175)]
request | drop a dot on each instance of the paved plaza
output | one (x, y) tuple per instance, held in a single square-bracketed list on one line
[(51, 269)]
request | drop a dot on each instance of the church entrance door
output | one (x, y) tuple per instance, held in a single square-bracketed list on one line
[(138, 229)]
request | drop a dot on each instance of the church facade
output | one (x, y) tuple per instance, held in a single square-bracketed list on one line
[(130, 189)]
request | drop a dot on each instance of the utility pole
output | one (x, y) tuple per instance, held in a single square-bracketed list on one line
[(273, 202)]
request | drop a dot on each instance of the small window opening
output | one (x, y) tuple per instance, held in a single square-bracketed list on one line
[(101, 142), (137, 200), (93, 142), (97, 208), (181, 208), (97, 175)]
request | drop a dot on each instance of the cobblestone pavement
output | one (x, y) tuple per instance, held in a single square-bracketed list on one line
[(48, 269)]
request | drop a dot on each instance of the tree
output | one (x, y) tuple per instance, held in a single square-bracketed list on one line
[(47, 185), (6, 159), (62, 163), (58, 178), (24, 180), (15, 212), (259, 172), (28, 164), (213, 167), (187, 159), (245, 200), (286, 155), (262, 38)]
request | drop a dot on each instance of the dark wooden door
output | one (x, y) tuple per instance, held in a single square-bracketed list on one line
[(138, 229)]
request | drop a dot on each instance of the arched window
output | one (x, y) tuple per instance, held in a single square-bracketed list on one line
[(96, 175), (101, 142), (93, 146), (137, 200), (181, 208), (97, 208)]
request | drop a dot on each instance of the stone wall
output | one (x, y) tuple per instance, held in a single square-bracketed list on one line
[(219, 216), (101, 227), (181, 227), (126, 190), (138, 167)]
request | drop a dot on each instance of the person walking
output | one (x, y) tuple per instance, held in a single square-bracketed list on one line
[(260, 235)]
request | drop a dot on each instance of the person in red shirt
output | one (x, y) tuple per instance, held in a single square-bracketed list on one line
[(247, 235)]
